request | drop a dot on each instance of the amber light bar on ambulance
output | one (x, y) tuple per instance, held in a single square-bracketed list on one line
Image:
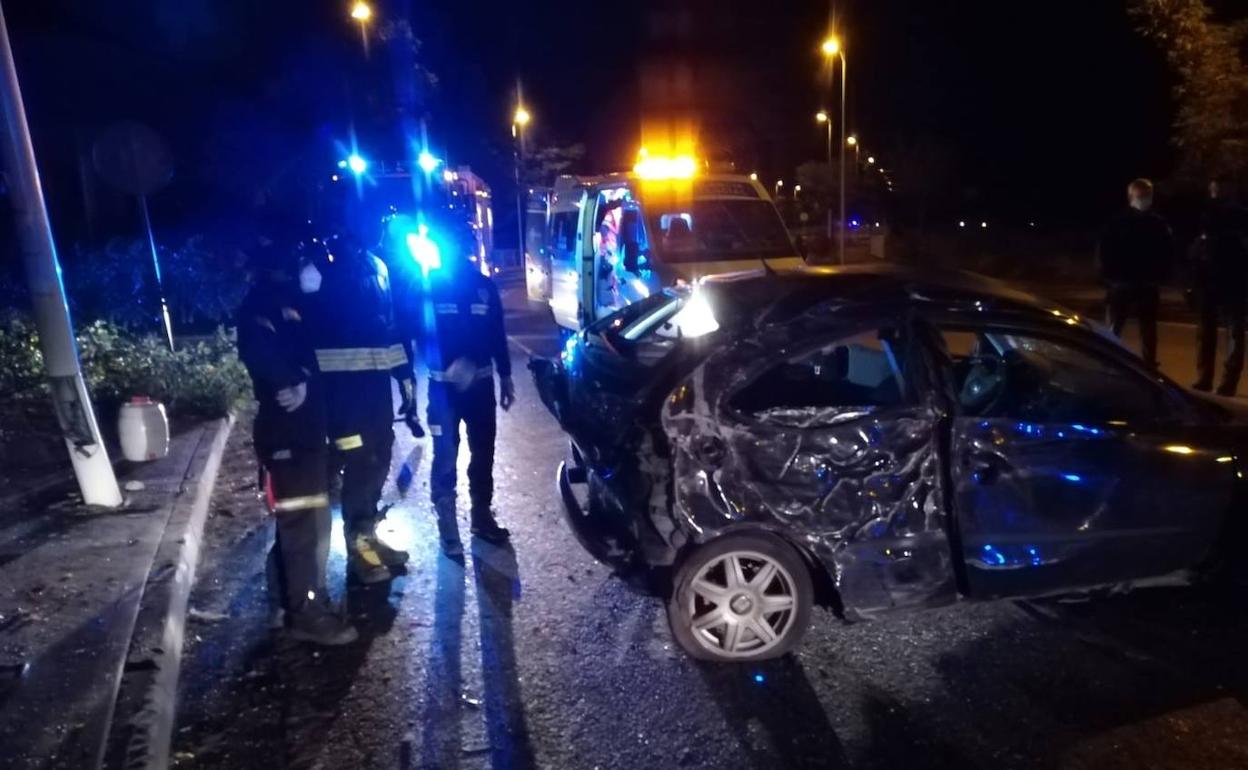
[(664, 167)]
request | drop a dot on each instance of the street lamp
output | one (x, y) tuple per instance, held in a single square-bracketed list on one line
[(870, 160), (822, 117), (776, 189), (362, 12), (832, 48), (519, 120)]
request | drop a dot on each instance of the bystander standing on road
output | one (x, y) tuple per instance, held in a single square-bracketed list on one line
[(290, 440), (1220, 279), (1135, 255)]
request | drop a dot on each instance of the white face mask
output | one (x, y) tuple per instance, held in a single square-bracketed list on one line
[(309, 279), (1141, 204)]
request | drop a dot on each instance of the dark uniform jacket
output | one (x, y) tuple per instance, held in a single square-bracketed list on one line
[(358, 349), (1136, 248), (273, 344), (1221, 251), (461, 317)]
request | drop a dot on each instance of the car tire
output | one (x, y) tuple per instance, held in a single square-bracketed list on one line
[(724, 608)]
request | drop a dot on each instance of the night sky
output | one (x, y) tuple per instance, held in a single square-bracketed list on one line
[(1044, 109)]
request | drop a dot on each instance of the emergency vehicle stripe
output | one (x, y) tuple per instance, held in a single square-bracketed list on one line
[(349, 442), (302, 503), (481, 373), (480, 308), (446, 308), (359, 359)]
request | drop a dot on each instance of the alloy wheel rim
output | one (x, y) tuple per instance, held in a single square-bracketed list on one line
[(741, 604)]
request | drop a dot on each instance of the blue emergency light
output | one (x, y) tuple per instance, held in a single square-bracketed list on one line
[(424, 249)]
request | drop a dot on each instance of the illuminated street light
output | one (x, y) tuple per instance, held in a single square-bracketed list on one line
[(821, 116), (852, 141), (520, 118), (361, 12), (357, 164), (832, 49), (753, 176), (871, 160)]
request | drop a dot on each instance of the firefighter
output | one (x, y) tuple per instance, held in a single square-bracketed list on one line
[(464, 346), (359, 352), (290, 441)]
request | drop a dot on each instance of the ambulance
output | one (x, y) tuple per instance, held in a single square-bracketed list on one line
[(618, 238)]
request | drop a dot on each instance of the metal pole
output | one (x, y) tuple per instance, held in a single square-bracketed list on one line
[(829, 205), (519, 158), (70, 399), (160, 283), (844, 121)]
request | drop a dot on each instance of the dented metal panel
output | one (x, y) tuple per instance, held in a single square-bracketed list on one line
[(858, 488)]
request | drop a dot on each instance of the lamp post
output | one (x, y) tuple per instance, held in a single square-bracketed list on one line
[(71, 402), (832, 48), (776, 190), (362, 12), (519, 120), (822, 117), (852, 141)]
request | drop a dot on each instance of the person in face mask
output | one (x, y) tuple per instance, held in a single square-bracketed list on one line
[(1135, 255), (290, 439), (359, 351)]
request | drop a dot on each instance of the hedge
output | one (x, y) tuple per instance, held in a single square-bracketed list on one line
[(203, 377)]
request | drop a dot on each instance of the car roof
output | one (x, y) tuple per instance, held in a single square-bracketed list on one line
[(772, 295)]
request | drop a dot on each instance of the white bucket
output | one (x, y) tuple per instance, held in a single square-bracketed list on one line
[(144, 430)]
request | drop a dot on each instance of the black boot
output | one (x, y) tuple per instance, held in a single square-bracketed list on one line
[(448, 530), (485, 527)]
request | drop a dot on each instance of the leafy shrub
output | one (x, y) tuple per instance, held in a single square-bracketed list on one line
[(203, 377)]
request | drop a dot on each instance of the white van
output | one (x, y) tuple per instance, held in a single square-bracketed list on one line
[(617, 238)]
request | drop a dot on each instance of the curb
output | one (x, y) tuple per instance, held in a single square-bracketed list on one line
[(142, 723)]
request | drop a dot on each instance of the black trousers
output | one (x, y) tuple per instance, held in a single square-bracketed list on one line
[(1219, 306), (1121, 300), (364, 459), (295, 483), (475, 409)]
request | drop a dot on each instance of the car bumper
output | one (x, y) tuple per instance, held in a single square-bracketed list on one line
[(593, 532)]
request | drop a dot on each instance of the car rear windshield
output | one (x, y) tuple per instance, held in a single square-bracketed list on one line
[(716, 230)]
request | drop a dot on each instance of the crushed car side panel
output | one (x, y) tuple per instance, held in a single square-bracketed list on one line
[(860, 488)]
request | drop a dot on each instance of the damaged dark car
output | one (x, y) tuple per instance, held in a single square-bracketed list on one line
[(874, 440)]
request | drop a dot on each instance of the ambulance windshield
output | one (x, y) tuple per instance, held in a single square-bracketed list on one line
[(712, 230)]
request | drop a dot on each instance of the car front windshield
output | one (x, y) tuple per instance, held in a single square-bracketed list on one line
[(706, 230)]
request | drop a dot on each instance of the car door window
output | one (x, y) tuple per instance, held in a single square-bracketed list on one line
[(860, 370), (997, 373)]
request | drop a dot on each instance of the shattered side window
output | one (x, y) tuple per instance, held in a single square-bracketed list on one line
[(1018, 376), (857, 371)]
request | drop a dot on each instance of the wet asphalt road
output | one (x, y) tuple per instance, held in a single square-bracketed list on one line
[(538, 657)]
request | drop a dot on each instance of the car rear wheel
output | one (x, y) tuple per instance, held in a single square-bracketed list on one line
[(742, 597)]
